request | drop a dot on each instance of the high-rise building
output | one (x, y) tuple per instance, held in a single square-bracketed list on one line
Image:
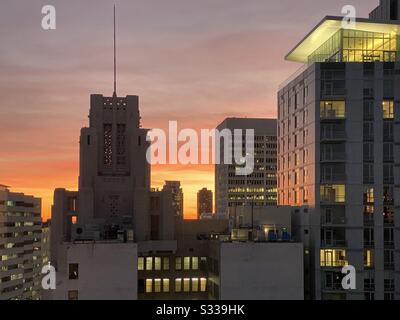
[(258, 188), (177, 196), (204, 202), (20, 246), (114, 180), (338, 136)]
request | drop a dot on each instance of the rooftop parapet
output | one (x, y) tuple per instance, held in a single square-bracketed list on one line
[(368, 41)]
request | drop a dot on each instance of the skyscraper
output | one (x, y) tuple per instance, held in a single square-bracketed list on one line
[(204, 202), (259, 188), (177, 196), (338, 151)]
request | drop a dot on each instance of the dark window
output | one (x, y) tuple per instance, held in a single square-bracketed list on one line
[(73, 271)]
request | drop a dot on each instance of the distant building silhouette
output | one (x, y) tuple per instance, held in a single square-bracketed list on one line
[(204, 202), (177, 196)]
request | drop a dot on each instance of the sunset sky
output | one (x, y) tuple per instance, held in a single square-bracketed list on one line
[(194, 61)]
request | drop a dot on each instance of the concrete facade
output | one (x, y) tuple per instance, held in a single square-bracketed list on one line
[(256, 271), (97, 271)]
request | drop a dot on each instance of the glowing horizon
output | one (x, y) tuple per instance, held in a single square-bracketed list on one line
[(194, 62)]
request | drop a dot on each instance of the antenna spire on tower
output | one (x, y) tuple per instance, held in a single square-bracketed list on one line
[(115, 56)]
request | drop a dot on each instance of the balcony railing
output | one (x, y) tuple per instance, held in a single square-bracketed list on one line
[(333, 264), (335, 156), (369, 243), (369, 219), (389, 265), (334, 243), (339, 177), (333, 287), (332, 136), (334, 220), (332, 114)]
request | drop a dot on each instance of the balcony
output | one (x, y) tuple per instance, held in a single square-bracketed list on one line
[(333, 243), (327, 136), (333, 156), (333, 287), (333, 263), (389, 265), (333, 178), (389, 244), (329, 220), (369, 243), (369, 219)]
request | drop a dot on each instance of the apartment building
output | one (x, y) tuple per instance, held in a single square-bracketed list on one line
[(338, 152), (20, 246)]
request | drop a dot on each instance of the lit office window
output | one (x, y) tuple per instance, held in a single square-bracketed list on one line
[(149, 285), (166, 263), (368, 258), (165, 285), (195, 263), (140, 263), (333, 258), (157, 285), (186, 263), (195, 284), (149, 263), (157, 263), (186, 285), (178, 285), (203, 284), (388, 109), (332, 109), (333, 193), (178, 263)]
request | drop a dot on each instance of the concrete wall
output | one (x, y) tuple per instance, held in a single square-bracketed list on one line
[(261, 271), (107, 271)]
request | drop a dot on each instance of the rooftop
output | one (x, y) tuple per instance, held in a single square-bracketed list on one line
[(328, 27)]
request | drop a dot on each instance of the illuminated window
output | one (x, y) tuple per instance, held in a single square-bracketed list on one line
[(178, 285), (149, 285), (140, 263), (369, 195), (166, 263), (149, 263), (203, 284), (186, 263), (157, 285), (195, 284), (73, 295), (388, 109), (74, 219), (333, 193), (195, 263), (333, 258), (186, 285), (157, 263), (332, 109), (368, 258), (178, 263), (165, 285)]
